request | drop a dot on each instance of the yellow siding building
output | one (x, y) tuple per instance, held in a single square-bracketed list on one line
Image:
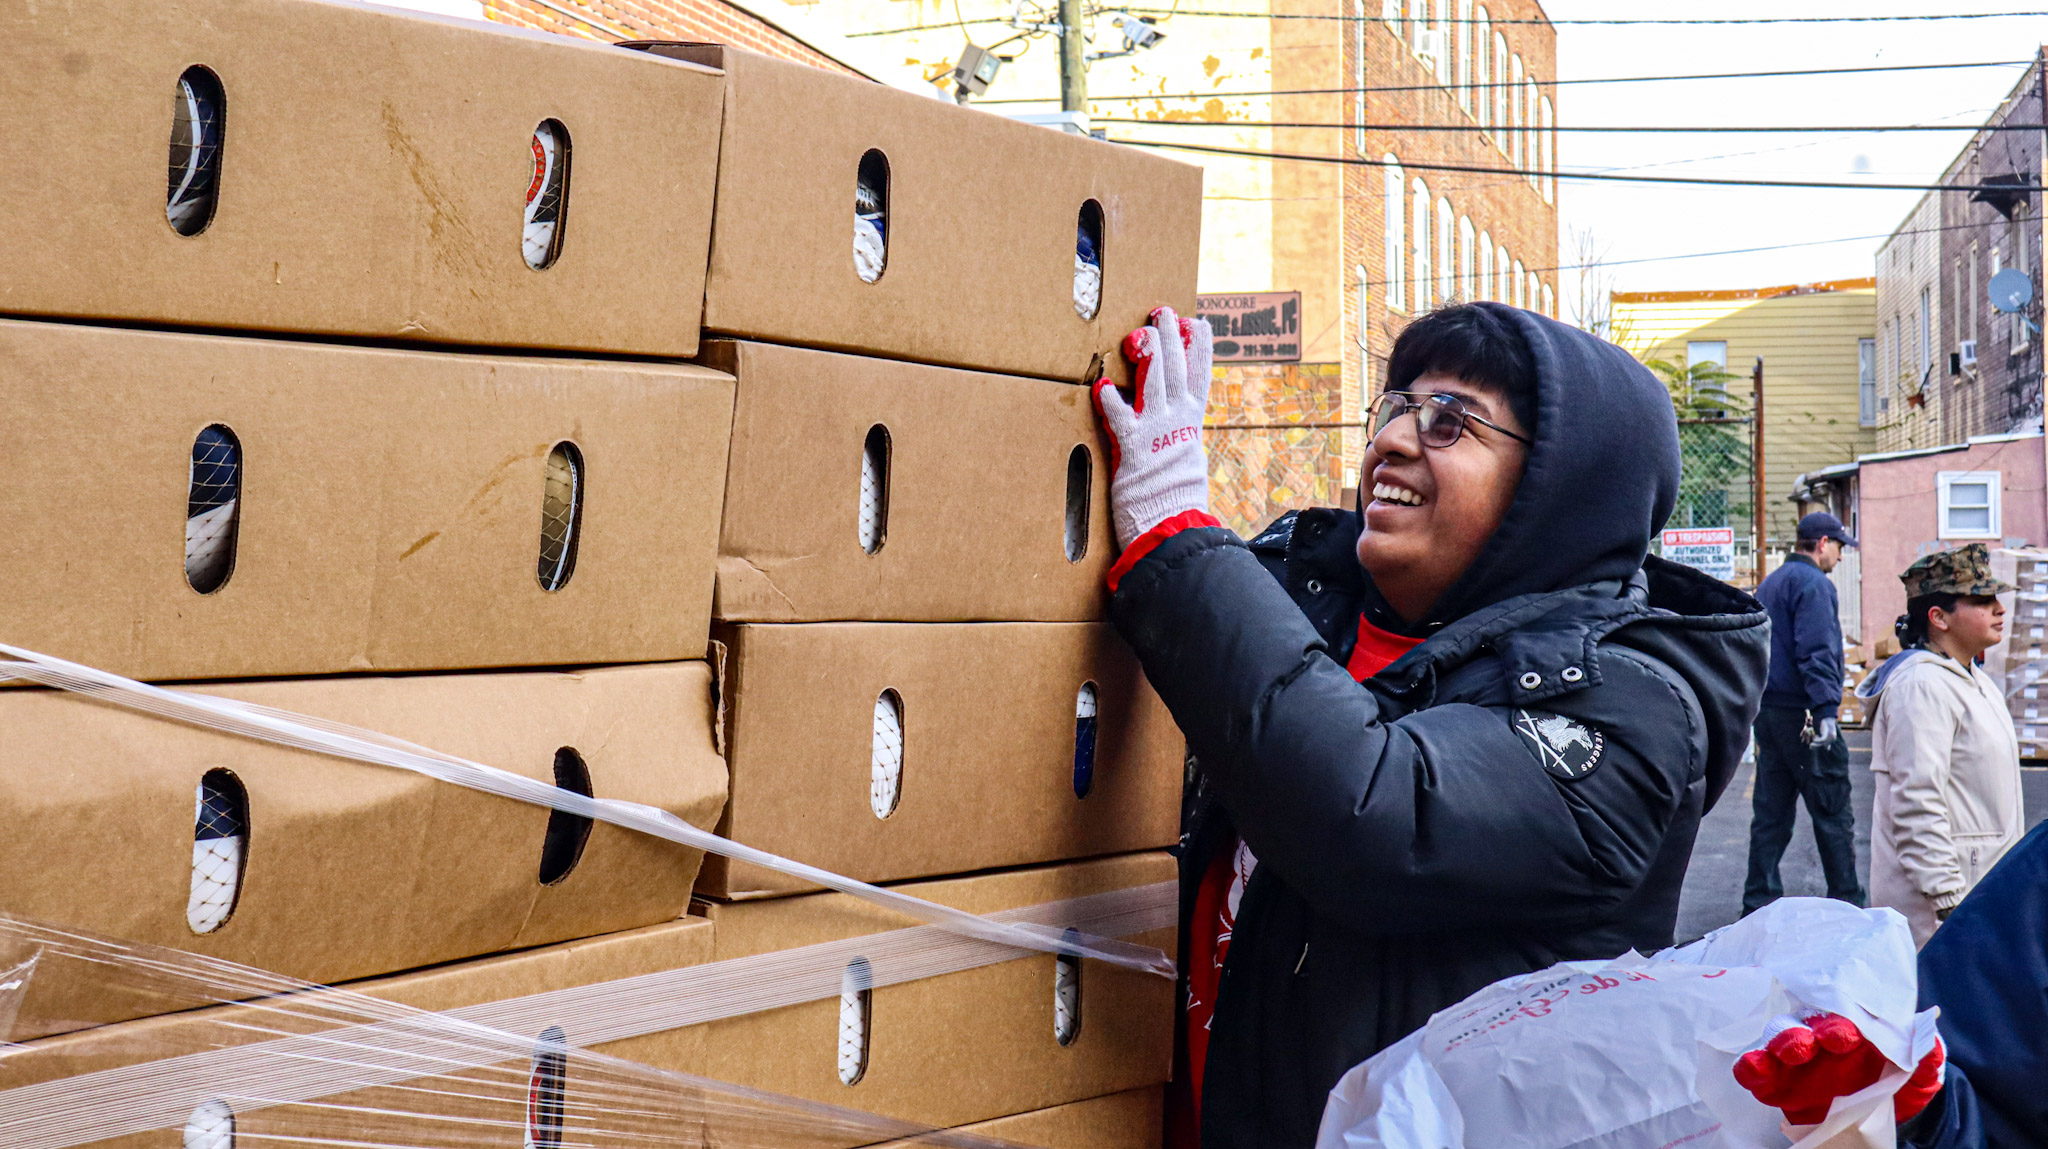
[(1817, 342)]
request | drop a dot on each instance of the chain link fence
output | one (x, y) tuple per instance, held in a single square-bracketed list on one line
[(1717, 480)]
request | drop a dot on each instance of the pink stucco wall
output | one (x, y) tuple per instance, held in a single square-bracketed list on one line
[(1895, 510)]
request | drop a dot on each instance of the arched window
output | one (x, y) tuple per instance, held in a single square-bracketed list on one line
[(1463, 31), (1468, 288), (1521, 286), (1390, 11), (1394, 209), (1419, 247), (1446, 252), (1515, 120), (1444, 26), (1549, 302), (1358, 75), (1500, 270), (1485, 289), (1500, 91), (1482, 69), (1531, 157), (1364, 283), (1549, 152), (1535, 291)]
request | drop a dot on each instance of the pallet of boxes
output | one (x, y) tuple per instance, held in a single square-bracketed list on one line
[(2019, 664), (693, 432)]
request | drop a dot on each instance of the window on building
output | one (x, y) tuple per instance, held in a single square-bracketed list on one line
[(1520, 286), (1971, 297), (1390, 11), (1461, 33), (1499, 92), (1549, 149), (1363, 287), (1698, 351), (1515, 110), (1482, 43), (2016, 323), (1926, 341), (1394, 210), (1419, 247), (1501, 292), (1446, 252), (1535, 291), (1485, 289), (1967, 504), (1866, 382), (1532, 132), (1549, 302), (1468, 286), (1358, 75)]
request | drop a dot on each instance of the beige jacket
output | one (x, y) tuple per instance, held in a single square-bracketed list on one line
[(1948, 802)]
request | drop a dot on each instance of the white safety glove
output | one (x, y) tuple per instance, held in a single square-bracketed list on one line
[(1158, 468), (1827, 731)]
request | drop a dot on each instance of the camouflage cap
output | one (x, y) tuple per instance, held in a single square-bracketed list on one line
[(1964, 570)]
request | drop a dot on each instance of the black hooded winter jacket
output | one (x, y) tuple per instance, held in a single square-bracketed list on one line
[(1523, 788)]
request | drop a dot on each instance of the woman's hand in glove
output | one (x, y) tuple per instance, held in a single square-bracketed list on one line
[(1158, 468), (1809, 1060)]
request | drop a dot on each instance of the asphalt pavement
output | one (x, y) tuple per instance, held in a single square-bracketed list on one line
[(1712, 897)]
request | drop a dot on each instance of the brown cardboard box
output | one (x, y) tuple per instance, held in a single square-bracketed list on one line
[(994, 493), (391, 511), (981, 223), (352, 869), (373, 175), (965, 1046), (988, 721), (972, 1045), (1131, 1120)]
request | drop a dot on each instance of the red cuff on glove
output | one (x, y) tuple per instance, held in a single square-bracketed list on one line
[(1145, 544)]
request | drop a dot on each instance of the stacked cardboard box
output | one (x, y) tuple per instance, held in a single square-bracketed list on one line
[(242, 461), (2020, 663)]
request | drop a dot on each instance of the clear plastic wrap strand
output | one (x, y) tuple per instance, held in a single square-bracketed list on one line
[(264, 1059), (304, 732)]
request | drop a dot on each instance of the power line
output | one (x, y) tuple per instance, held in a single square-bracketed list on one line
[(1619, 22), (1545, 83), (2004, 189), (1668, 129), (1501, 21)]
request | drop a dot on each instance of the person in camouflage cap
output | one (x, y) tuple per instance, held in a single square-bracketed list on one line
[(1963, 571), (1947, 804)]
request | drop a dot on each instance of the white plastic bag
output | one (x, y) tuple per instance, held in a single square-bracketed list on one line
[(1638, 1052)]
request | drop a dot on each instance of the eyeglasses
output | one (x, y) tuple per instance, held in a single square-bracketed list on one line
[(1439, 418)]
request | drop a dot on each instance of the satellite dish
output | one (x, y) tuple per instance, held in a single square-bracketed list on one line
[(2011, 290)]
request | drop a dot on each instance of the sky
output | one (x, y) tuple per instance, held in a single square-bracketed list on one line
[(1646, 222)]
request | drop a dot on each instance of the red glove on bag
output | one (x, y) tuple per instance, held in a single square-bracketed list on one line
[(1809, 1060)]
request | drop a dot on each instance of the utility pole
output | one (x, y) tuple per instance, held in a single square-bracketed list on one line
[(1073, 58), (1756, 413)]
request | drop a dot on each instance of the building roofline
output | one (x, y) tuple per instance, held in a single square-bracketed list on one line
[(1868, 282)]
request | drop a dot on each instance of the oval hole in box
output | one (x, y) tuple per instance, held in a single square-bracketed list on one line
[(213, 514), (1080, 480), (885, 761), (211, 1126), (874, 489), (547, 1086), (856, 1015), (567, 833), (1066, 992), (220, 846), (1084, 740), (561, 516), (1088, 261), (546, 218), (198, 124), (871, 216)]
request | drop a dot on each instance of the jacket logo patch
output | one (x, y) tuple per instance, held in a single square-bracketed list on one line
[(1567, 749)]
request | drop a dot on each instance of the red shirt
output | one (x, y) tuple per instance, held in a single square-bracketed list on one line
[(1215, 918)]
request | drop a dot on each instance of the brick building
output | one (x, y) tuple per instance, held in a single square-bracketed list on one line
[(1951, 367)]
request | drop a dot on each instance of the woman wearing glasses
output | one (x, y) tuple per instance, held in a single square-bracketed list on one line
[(1464, 731)]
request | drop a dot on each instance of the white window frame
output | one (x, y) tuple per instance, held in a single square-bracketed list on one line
[(1719, 356), (1446, 251), (1482, 67), (1521, 286), (1944, 503), (1499, 93), (1548, 146), (1461, 34), (1364, 297), (1468, 287), (1502, 293), (1485, 289), (1418, 246), (1866, 382), (1395, 206)]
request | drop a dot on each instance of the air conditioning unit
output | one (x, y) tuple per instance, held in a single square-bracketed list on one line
[(1968, 350), (1434, 46)]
